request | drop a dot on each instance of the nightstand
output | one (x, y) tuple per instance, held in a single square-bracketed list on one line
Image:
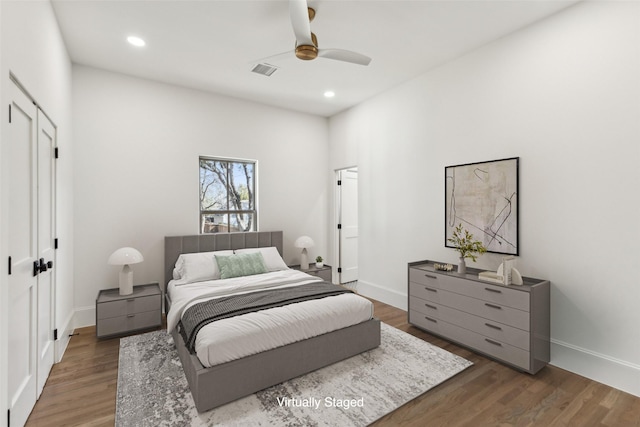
[(323, 272), (122, 314)]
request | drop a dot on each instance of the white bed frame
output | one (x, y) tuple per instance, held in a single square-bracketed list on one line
[(220, 384)]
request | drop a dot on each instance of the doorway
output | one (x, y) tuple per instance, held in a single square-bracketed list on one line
[(347, 229)]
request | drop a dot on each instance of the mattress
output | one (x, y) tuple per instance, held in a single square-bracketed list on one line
[(229, 339)]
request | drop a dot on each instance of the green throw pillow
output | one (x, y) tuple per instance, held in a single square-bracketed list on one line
[(241, 265)]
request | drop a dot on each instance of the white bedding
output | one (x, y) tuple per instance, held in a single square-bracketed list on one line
[(240, 336)]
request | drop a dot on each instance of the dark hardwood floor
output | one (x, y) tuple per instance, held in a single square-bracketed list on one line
[(81, 390)]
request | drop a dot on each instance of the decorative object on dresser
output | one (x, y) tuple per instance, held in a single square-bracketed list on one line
[(511, 325), (304, 242), (485, 197), (120, 315), (513, 277), (319, 263), (464, 243), (125, 257)]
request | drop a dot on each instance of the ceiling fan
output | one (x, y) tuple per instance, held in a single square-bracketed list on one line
[(307, 42)]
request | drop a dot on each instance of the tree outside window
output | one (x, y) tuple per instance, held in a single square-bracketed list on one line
[(227, 195)]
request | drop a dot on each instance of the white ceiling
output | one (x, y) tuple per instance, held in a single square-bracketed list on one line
[(212, 45)]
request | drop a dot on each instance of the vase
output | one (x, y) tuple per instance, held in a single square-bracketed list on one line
[(462, 266), (319, 264)]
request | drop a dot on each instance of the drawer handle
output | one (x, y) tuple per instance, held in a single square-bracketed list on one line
[(493, 326), (431, 276), (493, 342), (431, 319), (131, 315), (430, 289), (130, 299), (497, 291), (497, 307), (431, 306)]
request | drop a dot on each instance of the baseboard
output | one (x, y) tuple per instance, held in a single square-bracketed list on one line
[(599, 367), (64, 332), (84, 316), (396, 299)]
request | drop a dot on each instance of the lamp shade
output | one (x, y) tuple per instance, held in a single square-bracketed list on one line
[(125, 256), (304, 242)]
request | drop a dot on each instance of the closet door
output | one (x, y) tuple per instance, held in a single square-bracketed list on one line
[(46, 247), (23, 250), (32, 194)]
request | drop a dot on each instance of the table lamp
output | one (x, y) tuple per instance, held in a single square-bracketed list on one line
[(124, 257), (304, 242)]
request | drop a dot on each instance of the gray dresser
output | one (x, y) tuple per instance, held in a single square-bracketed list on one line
[(507, 323), (122, 314)]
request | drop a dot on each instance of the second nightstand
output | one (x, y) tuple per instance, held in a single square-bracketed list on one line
[(323, 272), (122, 314)]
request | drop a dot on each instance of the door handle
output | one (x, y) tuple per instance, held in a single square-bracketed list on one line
[(43, 265), (50, 264)]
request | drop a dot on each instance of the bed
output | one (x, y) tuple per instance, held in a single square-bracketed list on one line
[(225, 381)]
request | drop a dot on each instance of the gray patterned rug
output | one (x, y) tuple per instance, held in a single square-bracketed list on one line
[(153, 391)]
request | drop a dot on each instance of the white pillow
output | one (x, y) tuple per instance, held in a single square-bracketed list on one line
[(198, 267), (271, 256)]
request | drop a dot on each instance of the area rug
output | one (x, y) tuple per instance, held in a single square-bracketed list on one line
[(153, 391)]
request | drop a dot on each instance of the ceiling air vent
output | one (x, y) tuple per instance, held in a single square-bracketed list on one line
[(265, 69)]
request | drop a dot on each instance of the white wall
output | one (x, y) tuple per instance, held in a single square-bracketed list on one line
[(32, 49), (136, 171), (564, 96)]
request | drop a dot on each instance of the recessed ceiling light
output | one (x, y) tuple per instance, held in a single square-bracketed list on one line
[(329, 94), (136, 41)]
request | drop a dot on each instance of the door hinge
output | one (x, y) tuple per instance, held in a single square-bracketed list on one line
[(339, 269), (55, 243), (9, 113), (339, 226), (339, 182), (57, 153), (55, 335), (9, 266)]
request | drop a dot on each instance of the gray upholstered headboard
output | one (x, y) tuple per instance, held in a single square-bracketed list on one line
[(176, 245)]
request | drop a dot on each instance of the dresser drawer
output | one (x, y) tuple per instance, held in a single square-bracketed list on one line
[(491, 347), (128, 323), (487, 310), (423, 277), (124, 307), (495, 330), (499, 294)]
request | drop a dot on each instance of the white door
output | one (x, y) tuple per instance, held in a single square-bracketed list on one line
[(30, 219), (46, 246), (348, 231)]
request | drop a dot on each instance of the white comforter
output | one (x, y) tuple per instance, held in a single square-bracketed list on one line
[(240, 336)]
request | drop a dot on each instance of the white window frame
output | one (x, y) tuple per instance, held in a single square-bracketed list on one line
[(228, 212)]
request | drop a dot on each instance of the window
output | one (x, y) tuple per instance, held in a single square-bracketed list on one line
[(227, 195)]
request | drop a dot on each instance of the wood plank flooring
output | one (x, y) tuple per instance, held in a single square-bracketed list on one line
[(81, 390)]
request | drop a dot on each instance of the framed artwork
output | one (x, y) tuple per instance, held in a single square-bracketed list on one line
[(483, 197)]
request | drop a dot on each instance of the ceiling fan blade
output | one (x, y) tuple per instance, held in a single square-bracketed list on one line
[(300, 22), (277, 57), (344, 55)]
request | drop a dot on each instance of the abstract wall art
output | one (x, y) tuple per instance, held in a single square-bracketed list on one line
[(483, 197)]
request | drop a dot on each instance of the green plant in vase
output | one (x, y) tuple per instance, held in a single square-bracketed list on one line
[(466, 246)]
